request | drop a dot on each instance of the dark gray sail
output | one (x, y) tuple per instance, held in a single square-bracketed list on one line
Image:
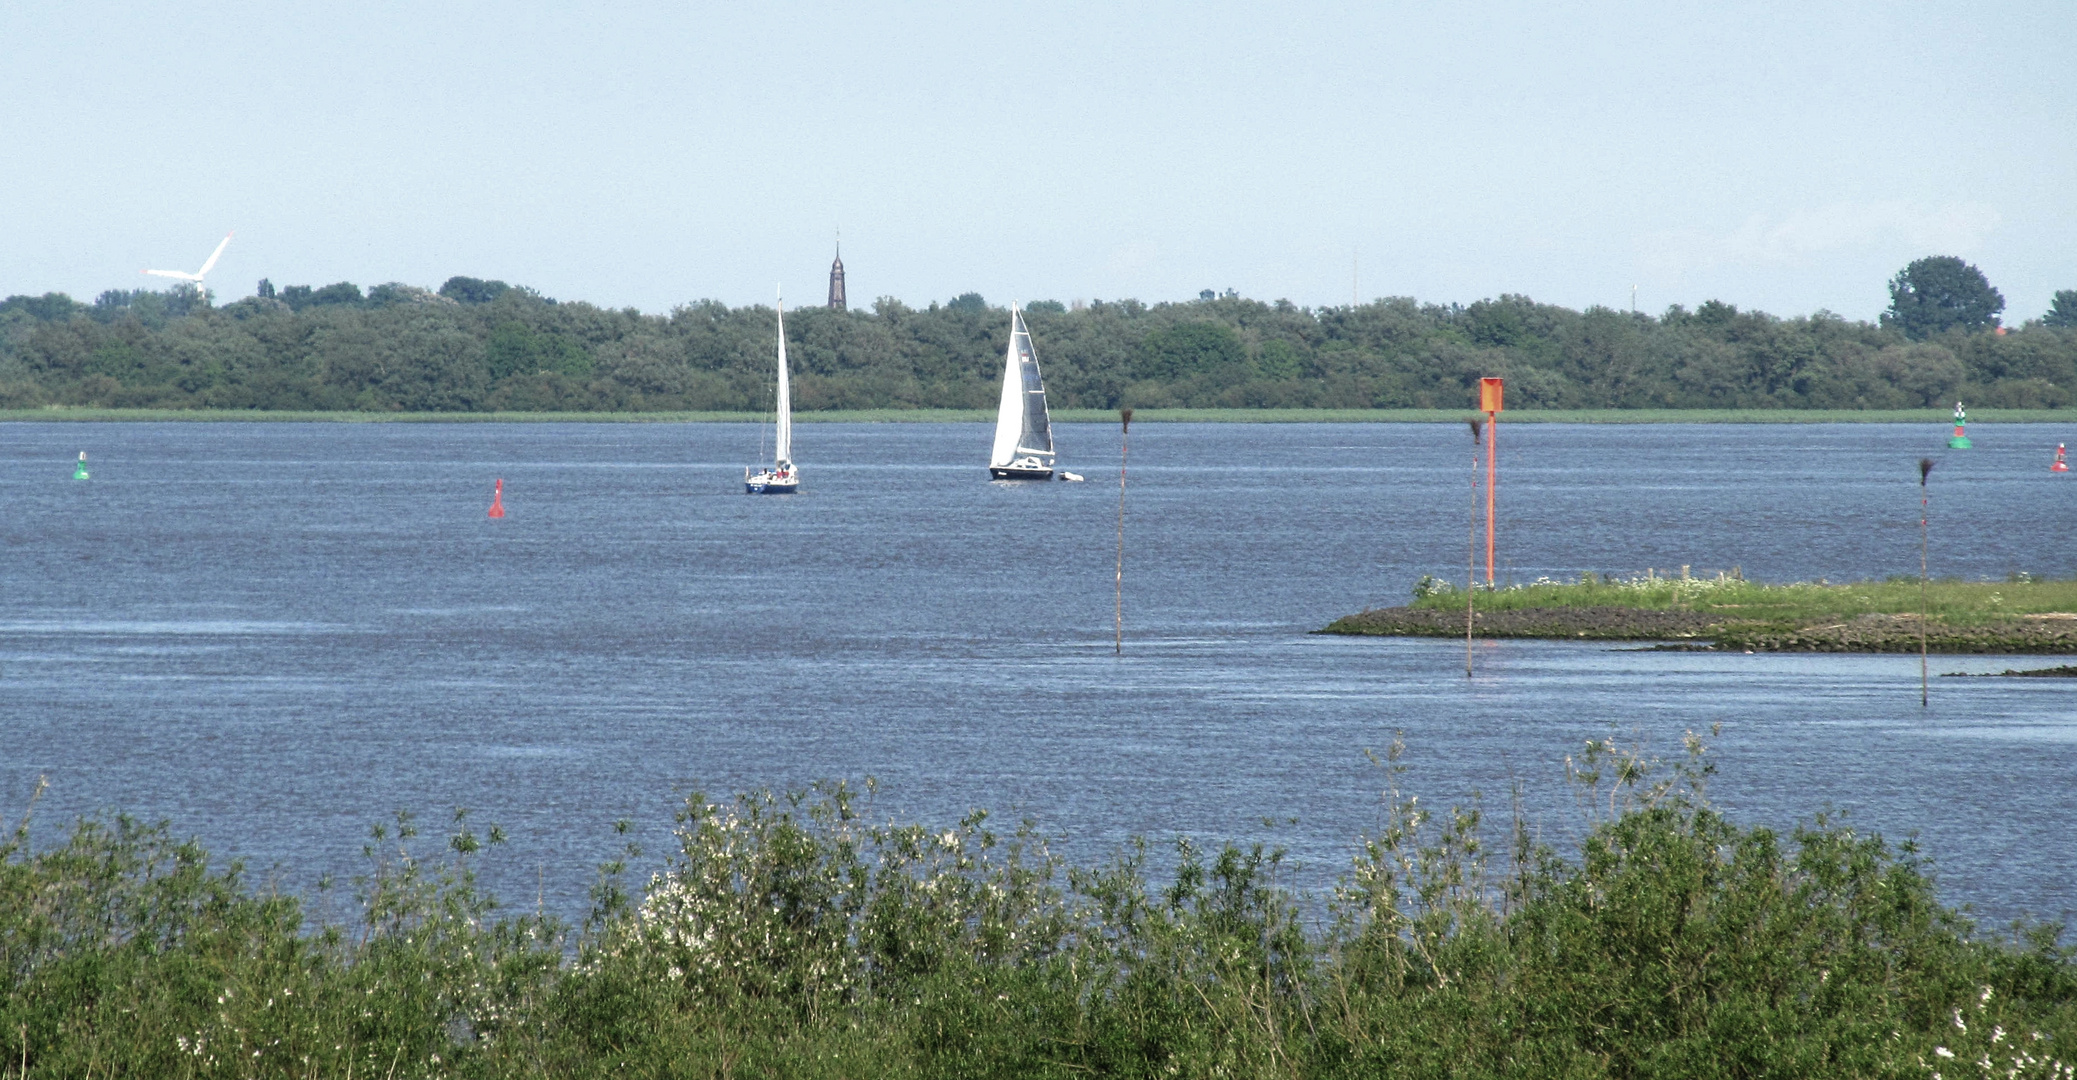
[(1036, 435)]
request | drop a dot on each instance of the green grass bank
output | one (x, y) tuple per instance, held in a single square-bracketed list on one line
[(1727, 612), (1224, 416), (792, 935)]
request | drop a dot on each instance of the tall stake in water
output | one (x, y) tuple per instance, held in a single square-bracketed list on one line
[(1471, 543), (1925, 465), (1489, 393), (1124, 449)]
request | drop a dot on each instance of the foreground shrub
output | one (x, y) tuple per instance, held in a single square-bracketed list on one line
[(790, 935)]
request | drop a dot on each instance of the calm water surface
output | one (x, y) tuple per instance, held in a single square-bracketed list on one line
[(275, 634)]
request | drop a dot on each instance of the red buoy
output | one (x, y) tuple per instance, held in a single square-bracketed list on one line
[(2060, 465), (497, 500)]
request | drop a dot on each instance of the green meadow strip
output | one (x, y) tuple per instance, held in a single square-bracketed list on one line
[(2018, 616), (1955, 602)]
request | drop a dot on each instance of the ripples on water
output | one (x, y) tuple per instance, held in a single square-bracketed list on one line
[(275, 634)]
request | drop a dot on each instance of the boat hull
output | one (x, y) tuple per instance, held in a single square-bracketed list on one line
[(1012, 472), (769, 482)]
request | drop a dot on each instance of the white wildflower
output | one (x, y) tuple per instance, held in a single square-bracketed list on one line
[(1943, 1051)]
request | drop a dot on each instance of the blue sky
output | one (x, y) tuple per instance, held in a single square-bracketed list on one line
[(1788, 157)]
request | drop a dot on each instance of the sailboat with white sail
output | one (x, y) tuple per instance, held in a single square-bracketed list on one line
[(782, 477), (1023, 431)]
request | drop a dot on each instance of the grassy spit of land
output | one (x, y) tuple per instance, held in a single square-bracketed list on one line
[(2066, 671), (1723, 611), (1228, 416), (789, 935)]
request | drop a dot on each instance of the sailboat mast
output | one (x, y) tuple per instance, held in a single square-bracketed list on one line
[(782, 453)]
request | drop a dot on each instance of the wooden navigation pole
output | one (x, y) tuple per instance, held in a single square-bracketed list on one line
[(1124, 452), (1489, 403), (1925, 466), (1471, 543)]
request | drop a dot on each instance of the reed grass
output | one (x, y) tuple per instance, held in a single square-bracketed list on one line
[(790, 934)]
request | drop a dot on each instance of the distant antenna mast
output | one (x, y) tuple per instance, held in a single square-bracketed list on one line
[(1355, 293), (1633, 299)]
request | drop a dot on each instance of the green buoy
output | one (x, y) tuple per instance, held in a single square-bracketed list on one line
[(80, 473), (1960, 439)]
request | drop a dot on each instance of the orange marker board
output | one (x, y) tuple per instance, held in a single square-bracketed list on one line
[(1489, 395)]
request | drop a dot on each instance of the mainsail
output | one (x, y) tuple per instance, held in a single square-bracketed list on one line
[(783, 453), (1021, 427)]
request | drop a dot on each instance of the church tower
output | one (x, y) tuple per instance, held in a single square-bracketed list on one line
[(836, 280)]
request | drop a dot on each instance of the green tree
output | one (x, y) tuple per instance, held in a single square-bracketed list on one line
[(515, 350), (1279, 359), (339, 292), (2063, 312), (1941, 292), (468, 290), (186, 298), (1187, 349), (50, 307)]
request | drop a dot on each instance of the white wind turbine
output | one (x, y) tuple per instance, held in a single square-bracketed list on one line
[(198, 275)]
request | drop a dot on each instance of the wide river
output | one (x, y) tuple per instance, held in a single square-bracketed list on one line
[(273, 635)]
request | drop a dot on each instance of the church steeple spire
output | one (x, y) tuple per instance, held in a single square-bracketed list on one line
[(836, 278)]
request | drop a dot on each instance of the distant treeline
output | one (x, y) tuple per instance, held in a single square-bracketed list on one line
[(480, 345)]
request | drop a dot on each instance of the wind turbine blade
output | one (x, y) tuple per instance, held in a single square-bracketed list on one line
[(181, 274), (217, 254)]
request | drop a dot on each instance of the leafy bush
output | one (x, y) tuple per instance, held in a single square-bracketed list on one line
[(790, 935)]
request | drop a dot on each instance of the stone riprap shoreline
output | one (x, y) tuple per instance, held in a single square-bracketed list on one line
[(1707, 630)]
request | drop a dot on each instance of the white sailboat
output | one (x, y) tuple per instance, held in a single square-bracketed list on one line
[(783, 477), (1023, 432)]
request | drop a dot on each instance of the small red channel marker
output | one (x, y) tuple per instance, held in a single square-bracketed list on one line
[(497, 500)]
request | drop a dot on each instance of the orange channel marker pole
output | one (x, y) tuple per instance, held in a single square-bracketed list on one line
[(1489, 403)]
